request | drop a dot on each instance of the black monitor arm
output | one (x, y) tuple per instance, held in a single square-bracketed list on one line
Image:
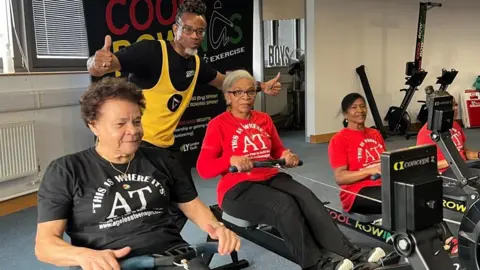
[(440, 121)]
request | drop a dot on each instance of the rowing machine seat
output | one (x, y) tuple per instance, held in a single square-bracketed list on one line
[(362, 217), (237, 221)]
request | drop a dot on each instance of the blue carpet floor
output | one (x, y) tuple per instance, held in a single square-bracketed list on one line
[(17, 231)]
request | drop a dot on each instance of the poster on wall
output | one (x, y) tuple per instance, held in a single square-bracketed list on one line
[(227, 45)]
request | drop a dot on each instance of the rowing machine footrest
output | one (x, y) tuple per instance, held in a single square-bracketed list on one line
[(237, 221), (362, 217)]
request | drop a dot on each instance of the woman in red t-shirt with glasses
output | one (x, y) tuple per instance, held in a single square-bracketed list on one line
[(354, 154), (265, 195)]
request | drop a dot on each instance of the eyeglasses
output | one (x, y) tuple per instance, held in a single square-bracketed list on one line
[(200, 32), (239, 93)]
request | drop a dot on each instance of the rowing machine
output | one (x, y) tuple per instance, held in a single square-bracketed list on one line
[(411, 206), (422, 216), (269, 238), (407, 176), (440, 121), (398, 118)]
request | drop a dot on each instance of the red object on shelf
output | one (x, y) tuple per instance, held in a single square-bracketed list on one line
[(471, 108)]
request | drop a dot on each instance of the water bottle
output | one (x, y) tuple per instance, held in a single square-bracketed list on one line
[(8, 66)]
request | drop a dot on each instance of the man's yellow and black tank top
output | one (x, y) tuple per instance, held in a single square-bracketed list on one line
[(168, 80)]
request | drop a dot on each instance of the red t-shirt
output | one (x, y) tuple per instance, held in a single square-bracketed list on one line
[(356, 149), (228, 136), (458, 138)]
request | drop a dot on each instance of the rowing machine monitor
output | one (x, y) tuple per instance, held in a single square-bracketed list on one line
[(416, 79), (447, 78), (412, 192)]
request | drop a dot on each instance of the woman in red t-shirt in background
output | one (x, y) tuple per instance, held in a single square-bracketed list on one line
[(265, 195), (459, 139), (354, 154)]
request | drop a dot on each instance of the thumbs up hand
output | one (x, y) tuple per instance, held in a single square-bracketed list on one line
[(108, 43), (103, 57), (272, 87)]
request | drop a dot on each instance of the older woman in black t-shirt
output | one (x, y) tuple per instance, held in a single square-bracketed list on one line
[(113, 199)]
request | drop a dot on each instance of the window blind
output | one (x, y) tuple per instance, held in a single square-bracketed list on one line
[(60, 30)]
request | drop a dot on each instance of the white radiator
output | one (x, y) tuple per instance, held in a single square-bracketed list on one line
[(18, 157)]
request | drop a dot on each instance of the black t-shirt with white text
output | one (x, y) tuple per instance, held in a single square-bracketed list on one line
[(143, 61), (106, 210)]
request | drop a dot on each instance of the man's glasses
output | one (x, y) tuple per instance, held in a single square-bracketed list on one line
[(239, 93), (200, 32)]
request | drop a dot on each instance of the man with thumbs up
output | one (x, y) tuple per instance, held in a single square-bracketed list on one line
[(168, 73)]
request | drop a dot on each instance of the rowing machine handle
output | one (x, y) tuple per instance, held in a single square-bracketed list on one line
[(150, 262), (265, 164), (375, 176), (141, 262)]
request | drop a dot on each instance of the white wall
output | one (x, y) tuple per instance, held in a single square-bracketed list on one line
[(342, 35), (258, 49), (59, 130), (283, 9)]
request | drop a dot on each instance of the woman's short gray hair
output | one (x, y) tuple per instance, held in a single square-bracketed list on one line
[(234, 76)]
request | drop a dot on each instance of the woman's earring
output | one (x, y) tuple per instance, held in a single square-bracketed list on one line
[(96, 141), (345, 122)]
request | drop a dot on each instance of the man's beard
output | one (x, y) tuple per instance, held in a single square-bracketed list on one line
[(191, 52)]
